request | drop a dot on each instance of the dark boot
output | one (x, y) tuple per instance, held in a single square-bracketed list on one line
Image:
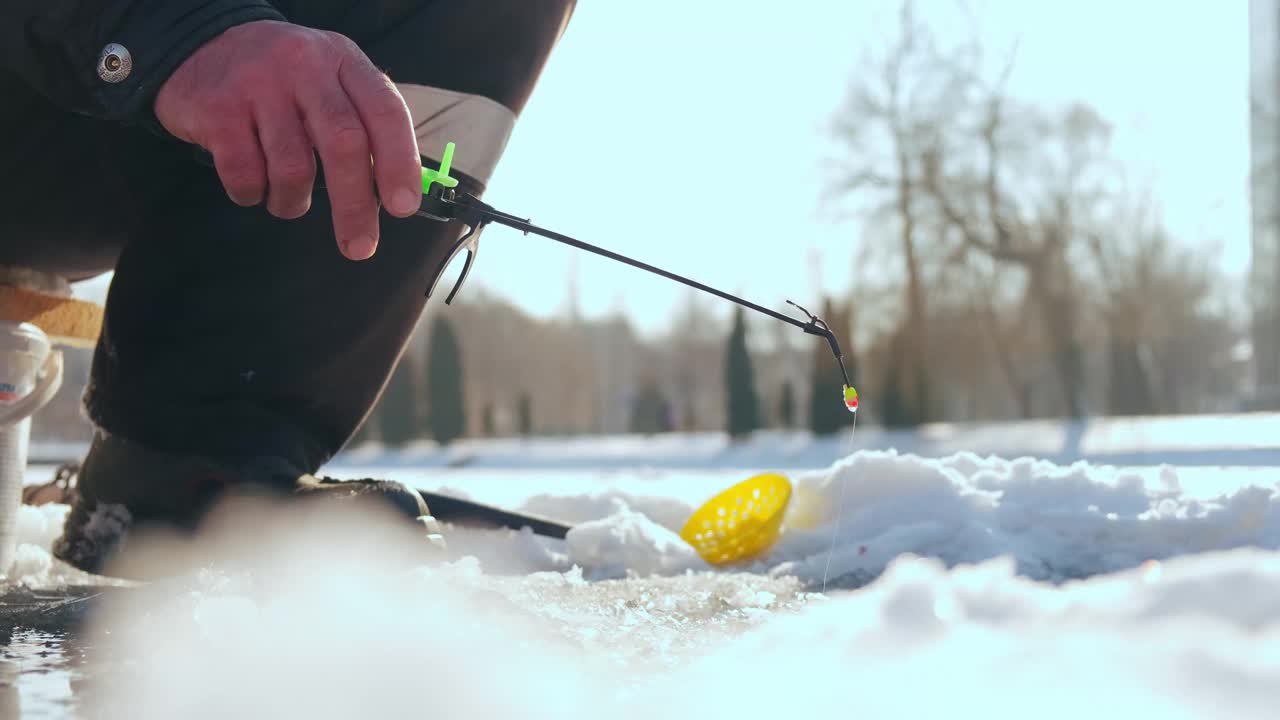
[(123, 488)]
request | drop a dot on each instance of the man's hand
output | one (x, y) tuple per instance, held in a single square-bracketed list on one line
[(260, 96)]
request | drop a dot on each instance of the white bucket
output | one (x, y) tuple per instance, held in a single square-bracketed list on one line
[(30, 375)]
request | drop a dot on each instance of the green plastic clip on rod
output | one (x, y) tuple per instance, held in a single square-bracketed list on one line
[(441, 176)]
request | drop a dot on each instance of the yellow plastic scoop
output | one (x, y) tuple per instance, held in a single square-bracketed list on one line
[(741, 521)]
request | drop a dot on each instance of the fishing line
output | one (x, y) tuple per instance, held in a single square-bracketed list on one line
[(835, 531)]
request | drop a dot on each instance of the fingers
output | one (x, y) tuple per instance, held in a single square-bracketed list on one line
[(237, 157), (269, 98), (340, 138), (396, 163), (290, 161)]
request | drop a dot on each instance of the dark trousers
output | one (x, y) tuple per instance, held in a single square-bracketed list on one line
[(228, 332)]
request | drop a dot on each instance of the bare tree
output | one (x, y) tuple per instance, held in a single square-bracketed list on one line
[(1031, 224), (902, 99), (1002, 333), (1166, 350)]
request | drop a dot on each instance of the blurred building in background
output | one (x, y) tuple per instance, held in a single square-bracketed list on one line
[(1264, 88)]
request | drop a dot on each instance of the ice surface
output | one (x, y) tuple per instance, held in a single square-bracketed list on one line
[(1245, 439), (984, 587), (1189, 638)]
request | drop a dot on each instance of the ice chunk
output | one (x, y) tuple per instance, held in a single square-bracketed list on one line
[(630, 542)]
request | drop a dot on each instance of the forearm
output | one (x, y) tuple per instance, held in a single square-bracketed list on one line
[(58, 46)]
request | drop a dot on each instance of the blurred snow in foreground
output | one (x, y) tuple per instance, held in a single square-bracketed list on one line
[(1005, 589)]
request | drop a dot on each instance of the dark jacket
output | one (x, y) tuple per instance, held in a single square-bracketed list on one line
[(57, 47)]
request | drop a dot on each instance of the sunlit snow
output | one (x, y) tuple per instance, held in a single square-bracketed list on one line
[(960, 585)]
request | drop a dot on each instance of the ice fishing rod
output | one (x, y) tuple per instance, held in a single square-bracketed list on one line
[(442, 201)]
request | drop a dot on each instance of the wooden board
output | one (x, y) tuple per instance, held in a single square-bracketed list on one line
[(69, 322)]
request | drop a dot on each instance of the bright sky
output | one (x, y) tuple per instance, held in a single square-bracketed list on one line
[(690, 135)]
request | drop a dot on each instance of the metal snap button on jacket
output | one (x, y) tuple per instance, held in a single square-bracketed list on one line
[(114, 63)]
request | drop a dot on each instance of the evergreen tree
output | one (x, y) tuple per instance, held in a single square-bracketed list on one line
[(447, 420), (827, 413), (1129, 393), (740, 388), (921, 408), (897, 410), (486, 421), (525, 415), (649, 410), (787, 406), (398, 408)]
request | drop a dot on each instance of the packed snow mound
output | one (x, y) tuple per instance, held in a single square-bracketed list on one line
[(33, 564), (1056, 522), (847, 523), (629, 542)]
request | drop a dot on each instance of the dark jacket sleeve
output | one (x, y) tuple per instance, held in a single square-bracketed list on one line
[(58, 46)]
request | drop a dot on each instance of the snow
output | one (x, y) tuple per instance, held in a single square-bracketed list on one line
[(960, 584), (629, 541), (1191, 637), (1056, 522), (41, 525)]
